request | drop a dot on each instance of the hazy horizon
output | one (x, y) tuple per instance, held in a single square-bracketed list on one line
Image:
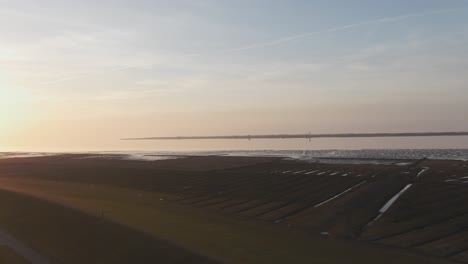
[(79, 76), (266, 144)]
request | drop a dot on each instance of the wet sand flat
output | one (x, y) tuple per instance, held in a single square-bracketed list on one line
[(276, 198)]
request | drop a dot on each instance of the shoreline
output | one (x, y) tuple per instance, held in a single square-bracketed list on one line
[(333, 155)]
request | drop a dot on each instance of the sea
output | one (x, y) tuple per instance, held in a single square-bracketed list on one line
[(404, 148)]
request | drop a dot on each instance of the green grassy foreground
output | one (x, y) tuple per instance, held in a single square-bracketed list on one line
[(220, 237)]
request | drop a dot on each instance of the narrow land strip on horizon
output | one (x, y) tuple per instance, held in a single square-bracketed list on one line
[(309, 136)]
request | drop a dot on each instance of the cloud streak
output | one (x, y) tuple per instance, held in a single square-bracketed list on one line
[(276, 42), (336, 29)]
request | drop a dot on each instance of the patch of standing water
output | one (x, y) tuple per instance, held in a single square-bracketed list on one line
[(12, 155)]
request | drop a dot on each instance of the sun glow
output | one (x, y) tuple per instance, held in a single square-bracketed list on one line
[(12, 111)]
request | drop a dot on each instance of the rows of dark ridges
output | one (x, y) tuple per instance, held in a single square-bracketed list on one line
[(431, 217)]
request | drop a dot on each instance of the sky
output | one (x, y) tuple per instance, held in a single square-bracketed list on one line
[(80, 75)]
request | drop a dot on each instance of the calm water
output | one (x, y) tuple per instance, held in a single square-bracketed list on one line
[(388, 148), (299, 144)]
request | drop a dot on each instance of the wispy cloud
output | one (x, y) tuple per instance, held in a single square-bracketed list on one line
[(336, 29), (276, 42)]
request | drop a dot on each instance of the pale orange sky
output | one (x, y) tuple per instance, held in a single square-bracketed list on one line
[(81, 78)]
